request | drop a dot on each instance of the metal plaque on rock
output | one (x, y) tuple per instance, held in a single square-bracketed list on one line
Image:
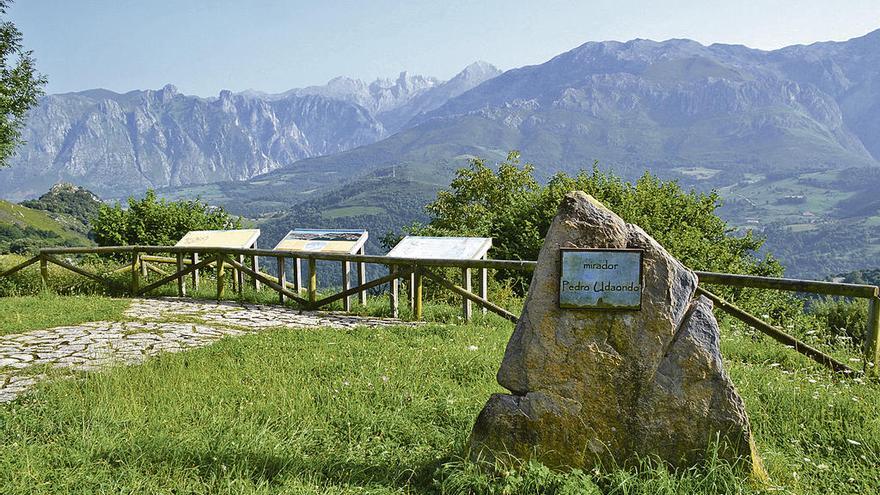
[(600, 279)]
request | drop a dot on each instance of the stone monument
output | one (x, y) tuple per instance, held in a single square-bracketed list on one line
[(613, 359)]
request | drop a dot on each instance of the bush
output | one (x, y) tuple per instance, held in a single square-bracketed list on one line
[(515, 210), (841, 319), (154, 222)]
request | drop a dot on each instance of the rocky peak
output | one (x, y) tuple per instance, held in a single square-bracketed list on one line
[(167, 93), (478, 70)]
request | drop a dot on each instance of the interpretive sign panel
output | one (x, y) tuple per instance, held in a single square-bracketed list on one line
[(235, 239), (600, 279), (442, 248), (323, 241)]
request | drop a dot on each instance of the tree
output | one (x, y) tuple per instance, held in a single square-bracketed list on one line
[(20, 86), (511, 207), (154, 222)]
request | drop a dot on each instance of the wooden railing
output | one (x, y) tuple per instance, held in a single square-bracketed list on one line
[(189, 261)]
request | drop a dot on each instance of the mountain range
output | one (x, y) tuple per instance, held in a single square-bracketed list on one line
[(718, 116), (790, 137), (120, 144)]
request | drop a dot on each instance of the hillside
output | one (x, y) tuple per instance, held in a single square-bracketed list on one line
[(24, 230), (380, 204), (869, 276), (71, 206)]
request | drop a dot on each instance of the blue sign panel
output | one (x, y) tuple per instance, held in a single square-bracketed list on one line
[(600, 279)]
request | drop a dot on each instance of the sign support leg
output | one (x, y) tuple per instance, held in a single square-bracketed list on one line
[(239, 275), (313, 280), (411, 291), (297, 276), (282, 279), (393, 292), (346, 284), (466, 307), (362, 278), (195, 273), (181, 281), (484, 285), (418, 294)]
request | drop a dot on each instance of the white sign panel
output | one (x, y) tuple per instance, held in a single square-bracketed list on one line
[(443, 248)]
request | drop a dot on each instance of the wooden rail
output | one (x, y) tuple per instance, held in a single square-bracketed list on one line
[(789, 284), (187, 262), (184, 259)]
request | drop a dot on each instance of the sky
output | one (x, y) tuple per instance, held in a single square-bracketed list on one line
[(203, 46)]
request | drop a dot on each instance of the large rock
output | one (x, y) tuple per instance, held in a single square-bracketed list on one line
[(608, 388)]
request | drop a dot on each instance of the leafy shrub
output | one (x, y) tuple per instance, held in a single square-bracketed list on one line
[(841, 319), (71, 205), (25, 239), (155, 222), (513, 208)]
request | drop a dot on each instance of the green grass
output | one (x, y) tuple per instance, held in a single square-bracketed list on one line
[(14, 214), (20, 314), (387, 411)]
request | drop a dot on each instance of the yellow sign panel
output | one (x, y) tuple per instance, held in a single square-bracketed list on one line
[(323, 241), (240, 239)]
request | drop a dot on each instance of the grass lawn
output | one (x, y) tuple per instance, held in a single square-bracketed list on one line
[(387, 411), (20, 314)]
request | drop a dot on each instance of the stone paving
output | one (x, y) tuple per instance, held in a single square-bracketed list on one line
[(95, 345)]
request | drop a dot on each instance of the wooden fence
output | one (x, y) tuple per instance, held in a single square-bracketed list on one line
[(245, 263)]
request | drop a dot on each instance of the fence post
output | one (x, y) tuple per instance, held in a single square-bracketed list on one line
[(313, 280), (417, 294), (181, 281), (872, 340), (255, 264), (282, 279), (135, 273), (44, 271), (221, 277)]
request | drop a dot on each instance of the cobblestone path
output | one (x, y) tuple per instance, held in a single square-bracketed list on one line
[(95, 345)]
